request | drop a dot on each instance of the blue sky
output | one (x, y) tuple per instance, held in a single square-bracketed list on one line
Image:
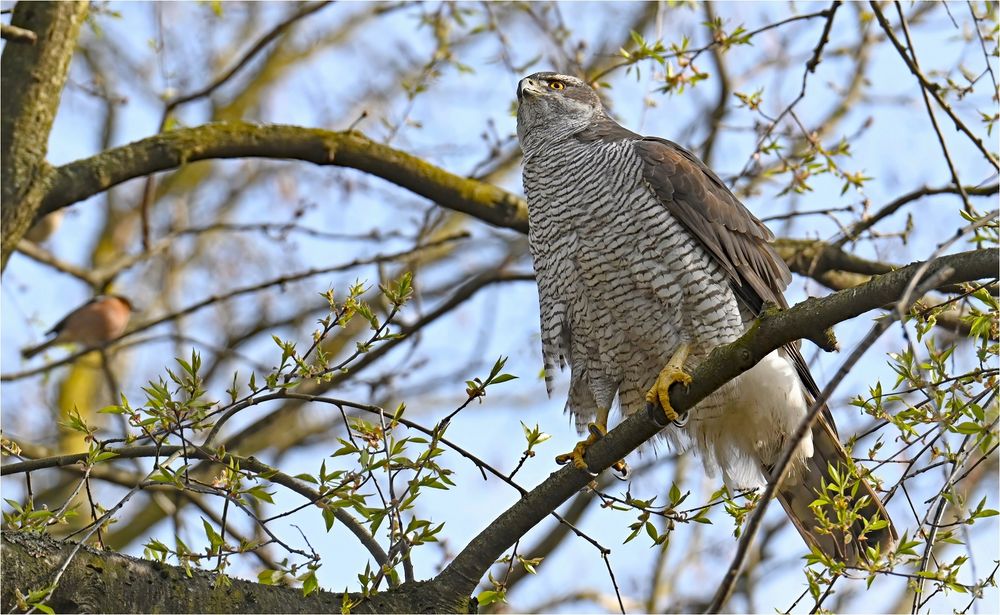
[(894, 145)]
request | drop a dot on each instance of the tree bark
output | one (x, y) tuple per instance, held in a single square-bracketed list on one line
[(32, 79), (107, 582), (84, 178)]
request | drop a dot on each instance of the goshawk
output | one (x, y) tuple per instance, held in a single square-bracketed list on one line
[(645, 258)]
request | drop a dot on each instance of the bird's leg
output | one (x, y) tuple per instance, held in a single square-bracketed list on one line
[(597, 430), (659, 395)]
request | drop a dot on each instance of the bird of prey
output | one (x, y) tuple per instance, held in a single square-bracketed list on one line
[(644, 258)]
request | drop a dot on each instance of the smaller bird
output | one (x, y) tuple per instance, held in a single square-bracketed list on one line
[(94, 323), (42, 230)]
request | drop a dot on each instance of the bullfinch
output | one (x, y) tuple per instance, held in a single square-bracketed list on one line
[(94, 323)]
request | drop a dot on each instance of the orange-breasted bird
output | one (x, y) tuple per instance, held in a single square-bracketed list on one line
[(94, 323)]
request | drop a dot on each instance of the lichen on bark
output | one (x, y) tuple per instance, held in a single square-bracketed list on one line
[(107, 582), (32, 79)]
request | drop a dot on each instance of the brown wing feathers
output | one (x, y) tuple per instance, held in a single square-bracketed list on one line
[(700, 201), (704, 205)]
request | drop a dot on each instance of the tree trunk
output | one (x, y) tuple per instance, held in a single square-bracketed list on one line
[(32, 78)]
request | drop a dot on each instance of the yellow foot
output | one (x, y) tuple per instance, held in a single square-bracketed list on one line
[(576, 456), (659, 395)]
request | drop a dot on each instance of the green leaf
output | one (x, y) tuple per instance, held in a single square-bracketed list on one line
[(328, 518), (213, 537), (968, 428), (675, 493), (490, 596), (309, 583), (261, 494)]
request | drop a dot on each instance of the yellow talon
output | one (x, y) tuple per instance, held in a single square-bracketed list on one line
[(673, 372), (576, 456)]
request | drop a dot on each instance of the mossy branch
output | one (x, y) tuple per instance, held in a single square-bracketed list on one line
[(32, 79), (81, 179), (107, 582)]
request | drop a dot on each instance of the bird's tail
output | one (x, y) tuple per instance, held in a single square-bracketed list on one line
[(811, 500), (31, 351)]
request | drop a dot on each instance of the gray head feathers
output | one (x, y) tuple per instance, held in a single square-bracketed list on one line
[(551, 105)]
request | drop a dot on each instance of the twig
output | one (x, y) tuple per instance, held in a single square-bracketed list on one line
[(696, 52), (479, 463), (824, 38), (246, 463), (264, 41), (280, 281), (17, 35), (39, 254), (614, 583), (809, 212), (261, 43), (811, 65), (855, 230), (982, 44), (930, 111), (929, 87)]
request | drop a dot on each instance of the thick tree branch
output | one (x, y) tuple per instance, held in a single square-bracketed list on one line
[(32, 78), (107, 582), (79, 180), (838, 270), (773, 330)]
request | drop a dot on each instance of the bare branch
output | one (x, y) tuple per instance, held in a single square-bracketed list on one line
[(930, 88), (17, 35)]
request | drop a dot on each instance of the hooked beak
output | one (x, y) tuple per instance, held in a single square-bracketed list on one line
[(528, 87)]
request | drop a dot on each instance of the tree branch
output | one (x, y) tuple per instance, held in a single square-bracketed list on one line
[(929, 87), (82, 179), (17, 35), (32, 78), (772, 330), (855, 230), (107, 582)]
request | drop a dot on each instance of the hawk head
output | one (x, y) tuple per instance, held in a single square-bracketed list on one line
[(552, 105)]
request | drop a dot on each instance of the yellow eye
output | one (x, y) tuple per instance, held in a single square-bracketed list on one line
[(557, 85)]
